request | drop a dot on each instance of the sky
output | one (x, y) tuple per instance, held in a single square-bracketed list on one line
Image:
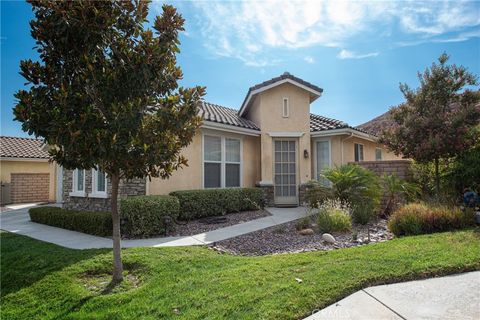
[(357, 51)]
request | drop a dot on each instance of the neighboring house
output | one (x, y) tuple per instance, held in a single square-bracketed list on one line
[(273, 142), (27, 175)]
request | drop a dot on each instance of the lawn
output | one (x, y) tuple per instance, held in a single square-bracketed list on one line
[(45, 281)]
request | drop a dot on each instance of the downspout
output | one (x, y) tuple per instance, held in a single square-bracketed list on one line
[(351, 135)]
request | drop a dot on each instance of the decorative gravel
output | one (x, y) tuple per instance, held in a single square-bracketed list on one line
[(202, 225), (285, 238)]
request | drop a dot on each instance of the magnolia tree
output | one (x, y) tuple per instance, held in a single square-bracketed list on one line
[(438, 119), (104, 92)]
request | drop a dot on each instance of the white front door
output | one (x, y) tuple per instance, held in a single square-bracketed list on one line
[(285, 172), (323, 159)]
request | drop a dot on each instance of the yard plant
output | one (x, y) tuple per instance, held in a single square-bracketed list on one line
[(419, 218), (334, 216), (44, 281), (104, 93)]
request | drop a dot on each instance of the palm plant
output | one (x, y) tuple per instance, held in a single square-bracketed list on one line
[(357, 186), (395, 188)]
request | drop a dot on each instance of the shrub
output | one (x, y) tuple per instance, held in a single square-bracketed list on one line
[(396, 191), (419, 218), (333, 216), (95, 223), (303, 223), (357, 186), (363, 213), (214, 202), (148, 215), (316, 193)]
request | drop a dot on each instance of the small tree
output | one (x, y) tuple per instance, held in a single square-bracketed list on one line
[(105, 92), (437, 119)]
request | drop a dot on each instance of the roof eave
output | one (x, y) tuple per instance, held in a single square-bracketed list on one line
[(314, 94), (351, 131)]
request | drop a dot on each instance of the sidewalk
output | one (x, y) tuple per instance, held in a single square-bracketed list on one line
[(452, 297), (18, 221)]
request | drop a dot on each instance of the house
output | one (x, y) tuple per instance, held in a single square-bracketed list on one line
[(272, 141), (27, 175)]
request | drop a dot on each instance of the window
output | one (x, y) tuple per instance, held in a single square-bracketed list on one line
[(358, 152), (221, 162), (99, 184), (323, 160), (78, 183), (378, 154), (285, 108)]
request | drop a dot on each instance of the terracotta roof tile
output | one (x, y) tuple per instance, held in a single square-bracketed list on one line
[(215, 113), (16, 147)]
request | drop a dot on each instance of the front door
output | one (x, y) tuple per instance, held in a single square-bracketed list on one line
[(285, 172)]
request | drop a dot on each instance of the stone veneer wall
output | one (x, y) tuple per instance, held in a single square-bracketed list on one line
[(268, 196), (134, 187)]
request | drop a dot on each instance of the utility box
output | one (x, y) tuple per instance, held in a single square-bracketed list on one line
[(5, 194)]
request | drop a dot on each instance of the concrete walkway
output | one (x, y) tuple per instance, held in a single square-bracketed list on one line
[(18, 221), (452, 297)]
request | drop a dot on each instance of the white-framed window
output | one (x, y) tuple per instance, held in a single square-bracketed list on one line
[(221, 162), (99, 184), (378, 154), (358, 152), (323, 159), (285, 108), (78, 183)]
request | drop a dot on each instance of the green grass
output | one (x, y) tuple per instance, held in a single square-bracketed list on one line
[(44, 281)]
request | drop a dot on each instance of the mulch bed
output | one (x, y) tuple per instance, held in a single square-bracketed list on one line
[(285, 238), (212, 223)]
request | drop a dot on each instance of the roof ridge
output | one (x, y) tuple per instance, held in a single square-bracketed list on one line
[(218, 105), (13, 137)]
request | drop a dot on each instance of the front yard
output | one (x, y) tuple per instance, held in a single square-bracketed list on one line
[(45, 281)]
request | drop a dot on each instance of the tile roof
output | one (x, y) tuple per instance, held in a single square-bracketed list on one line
[(16, 147), (320, 123), (215, 113)]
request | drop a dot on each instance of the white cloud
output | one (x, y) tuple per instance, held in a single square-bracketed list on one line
[(309, 59), (345, 54), (257, 31)]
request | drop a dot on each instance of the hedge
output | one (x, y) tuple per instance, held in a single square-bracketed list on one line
[(420, 218), (214, 202), (148, 215), (96, 223)]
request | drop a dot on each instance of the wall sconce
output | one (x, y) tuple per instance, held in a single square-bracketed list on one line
[(305, 154)]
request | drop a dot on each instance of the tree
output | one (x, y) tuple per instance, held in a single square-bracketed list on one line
[(437, 119), (105, 92)]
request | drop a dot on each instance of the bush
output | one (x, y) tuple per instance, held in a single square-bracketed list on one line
[(95, 223), (316, 193), (333, 216), (419, 218), (148, 215), (214, 202), (354, 185)]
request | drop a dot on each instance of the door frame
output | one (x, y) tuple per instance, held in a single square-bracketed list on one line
[(293, 203)]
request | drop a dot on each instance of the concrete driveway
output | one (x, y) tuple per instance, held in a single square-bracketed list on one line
[(453, 297)]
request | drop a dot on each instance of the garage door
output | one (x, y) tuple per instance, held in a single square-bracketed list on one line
[(29, 187)]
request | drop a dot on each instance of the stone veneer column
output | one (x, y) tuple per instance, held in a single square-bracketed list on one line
[(134, 187)]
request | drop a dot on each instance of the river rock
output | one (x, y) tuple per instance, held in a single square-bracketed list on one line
[(306, 232), (327, 237)]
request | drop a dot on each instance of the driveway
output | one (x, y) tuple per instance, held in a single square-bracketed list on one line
[(453, 297)]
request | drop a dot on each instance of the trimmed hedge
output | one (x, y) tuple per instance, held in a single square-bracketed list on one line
[(420, 218), (148, 215), (214, 202), (96, 223)]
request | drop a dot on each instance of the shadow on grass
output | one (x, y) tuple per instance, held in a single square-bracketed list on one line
[(25, 261)]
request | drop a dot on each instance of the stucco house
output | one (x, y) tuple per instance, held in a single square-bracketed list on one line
[(272, 141), (27, 175)]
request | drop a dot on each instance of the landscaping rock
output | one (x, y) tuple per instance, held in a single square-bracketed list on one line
[(327, 237), (306, 232)]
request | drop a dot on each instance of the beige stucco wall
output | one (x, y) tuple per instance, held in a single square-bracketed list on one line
[(7, 167), (191, 177), (346, 142), (266, 111)]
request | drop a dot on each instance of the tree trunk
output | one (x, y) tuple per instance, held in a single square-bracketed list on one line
[(117, 254), (437, 180)]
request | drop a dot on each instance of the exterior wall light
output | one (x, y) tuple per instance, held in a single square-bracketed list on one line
[(305, 154)]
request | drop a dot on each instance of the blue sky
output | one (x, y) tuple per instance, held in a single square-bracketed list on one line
[(358, 52)]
